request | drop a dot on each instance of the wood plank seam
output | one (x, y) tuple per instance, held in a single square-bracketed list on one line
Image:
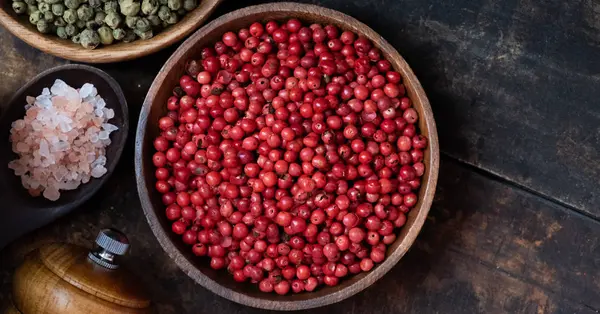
[(494, 176)]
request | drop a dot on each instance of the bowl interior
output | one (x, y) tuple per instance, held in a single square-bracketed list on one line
[(19, 26), (221, 282), (16, 200)]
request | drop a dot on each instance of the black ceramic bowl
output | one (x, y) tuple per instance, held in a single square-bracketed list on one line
[(20, 212)]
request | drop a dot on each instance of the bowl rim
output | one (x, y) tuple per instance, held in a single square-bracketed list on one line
[(114, 53), (124, 107), (197, 275)]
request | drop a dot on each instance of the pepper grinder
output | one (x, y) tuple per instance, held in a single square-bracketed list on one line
[(68, 279)]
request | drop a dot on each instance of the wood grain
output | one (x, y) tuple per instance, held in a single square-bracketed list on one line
[(221, 283), (20, 211), (20, 27), (70, 263), (37, 289)]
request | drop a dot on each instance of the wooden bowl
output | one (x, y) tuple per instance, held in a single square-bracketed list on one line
[(65, 48), (20, 212), (221, 282)]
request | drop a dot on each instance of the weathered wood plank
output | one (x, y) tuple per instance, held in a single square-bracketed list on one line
[(487, 248)]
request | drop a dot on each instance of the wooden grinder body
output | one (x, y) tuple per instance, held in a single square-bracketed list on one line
[(60, 278)]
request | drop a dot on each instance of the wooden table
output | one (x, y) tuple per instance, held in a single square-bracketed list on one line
[(516, 222)]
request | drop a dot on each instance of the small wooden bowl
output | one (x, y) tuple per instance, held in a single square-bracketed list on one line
[(65, 48), (221, 282), (20, 212)]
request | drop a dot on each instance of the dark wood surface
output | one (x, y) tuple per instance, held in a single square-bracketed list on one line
[(515, 225)]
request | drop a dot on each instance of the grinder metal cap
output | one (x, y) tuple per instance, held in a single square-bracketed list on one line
[(110, 242)]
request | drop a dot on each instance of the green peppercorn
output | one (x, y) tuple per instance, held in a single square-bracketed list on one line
[(111, 6), (143, 34), (130, 21), (164, 12), (163, 2), (189, 5), (90, 39), (32, 8), (48, 17), (71, 30), (154, 20), (36, 17), (72, 4), (118, 33), (70, 16), (99, 18), (19, 7), (106, 35), (61, 32), (175, 5), (91, 24), (95, 3), (129, 7), (150, 7), (44, 7), (80, 24), (129, 36), (32, 2), (113, 20), (43, 26), (173, 18), (58, 9), (143, 25), (84, 12), (76, 38), (181, 12), (53, 1), (59, 21)]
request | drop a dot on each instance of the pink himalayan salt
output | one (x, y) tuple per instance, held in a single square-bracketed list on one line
[(61, 140)]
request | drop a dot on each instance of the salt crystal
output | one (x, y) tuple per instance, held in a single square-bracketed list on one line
[(103, 135), (52, 139), (61, 146), (101, 161), (51, 193), (99, 113), (43, 102), (85, 179), (109, 113), (45, 91), (65, 127), (44, 150), (100, 104), (85, 90), (98, 171), (69, 185), (109, 127), (59, 88), (19, 125), (22, 147), (94, 138), (30, 100)]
